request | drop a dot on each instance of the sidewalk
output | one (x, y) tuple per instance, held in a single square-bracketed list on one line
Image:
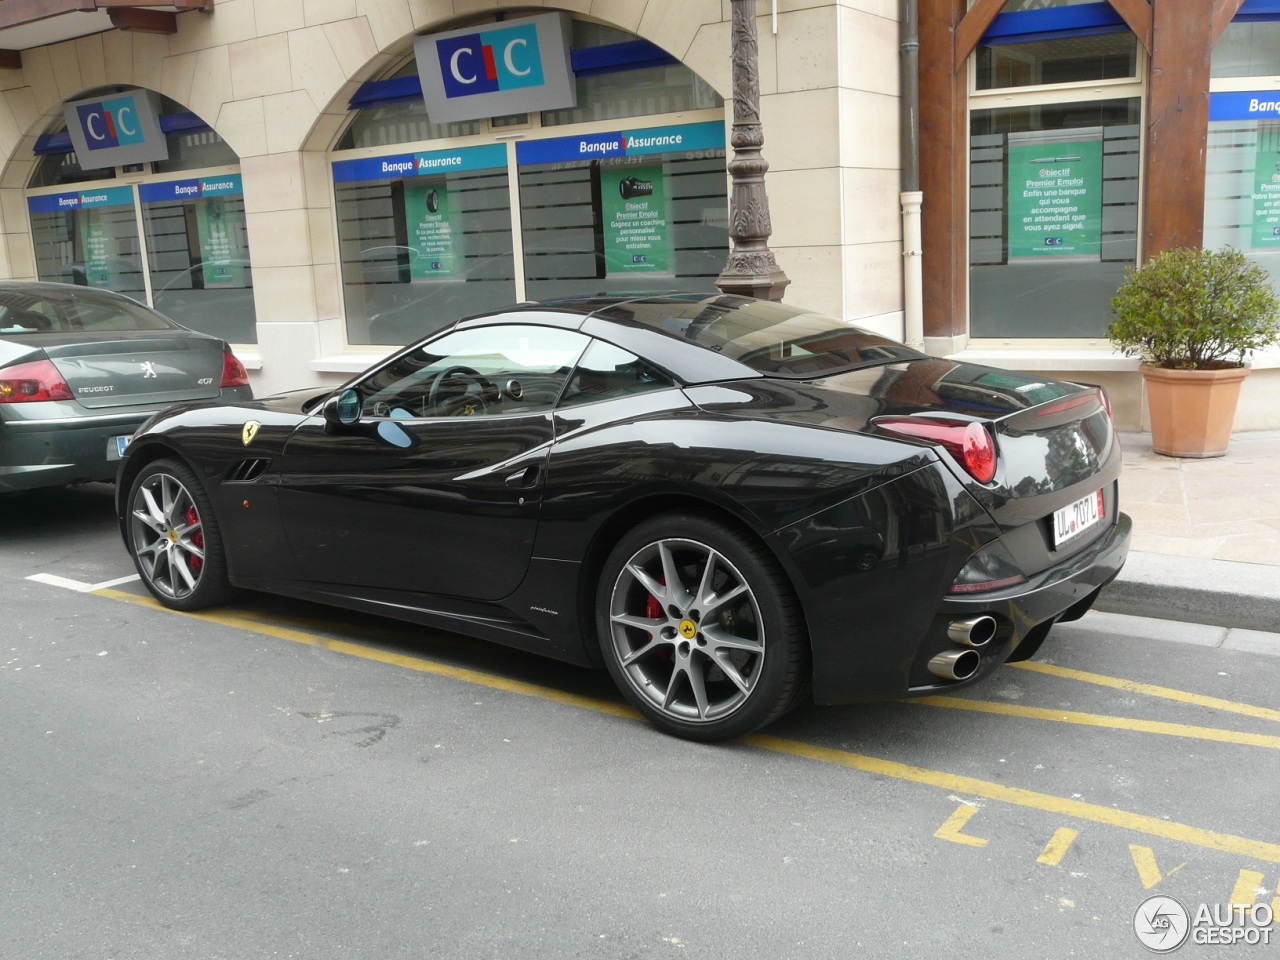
[(1206, 535)]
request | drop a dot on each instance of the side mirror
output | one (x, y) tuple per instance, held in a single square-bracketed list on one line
[(342, 409)]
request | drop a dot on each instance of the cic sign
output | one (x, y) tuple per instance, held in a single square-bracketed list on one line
[(517, 66), (116, 129)]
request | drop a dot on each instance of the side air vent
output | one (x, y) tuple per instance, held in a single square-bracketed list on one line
[(247, 471)]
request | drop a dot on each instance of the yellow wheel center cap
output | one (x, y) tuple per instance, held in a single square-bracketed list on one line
[(173, 536), (687, 629)]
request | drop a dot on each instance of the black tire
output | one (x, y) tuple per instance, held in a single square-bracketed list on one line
[(174, 538), (722, 654)]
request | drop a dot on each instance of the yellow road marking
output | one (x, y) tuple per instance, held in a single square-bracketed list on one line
[(1047, 802), (954, 825), (1150, 690), (385, 656), (950, 782), (1248, 888), (1246, 892), (1103, 720), (1145, 860), (1057, 846)]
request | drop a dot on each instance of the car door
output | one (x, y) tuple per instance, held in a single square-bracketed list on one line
[(435, 486)]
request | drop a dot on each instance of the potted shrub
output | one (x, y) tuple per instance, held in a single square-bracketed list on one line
[(1193, 316)]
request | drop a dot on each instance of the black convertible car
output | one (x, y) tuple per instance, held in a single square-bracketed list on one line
[(728, 503)]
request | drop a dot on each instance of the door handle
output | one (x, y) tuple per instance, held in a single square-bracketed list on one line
[(527, 477)]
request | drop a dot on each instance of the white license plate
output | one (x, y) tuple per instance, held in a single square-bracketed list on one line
[(1075, 518)]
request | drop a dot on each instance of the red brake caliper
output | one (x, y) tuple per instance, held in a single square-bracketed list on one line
[(653, 611), (197, 538)]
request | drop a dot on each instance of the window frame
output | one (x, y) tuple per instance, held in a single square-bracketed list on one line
[(363, 385), (1048, 95)]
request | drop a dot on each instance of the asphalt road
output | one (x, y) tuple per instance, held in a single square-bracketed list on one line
[(277, 779)]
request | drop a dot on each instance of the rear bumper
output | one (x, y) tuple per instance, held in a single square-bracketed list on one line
[(873, 659), (1025, 613), (57, 451)]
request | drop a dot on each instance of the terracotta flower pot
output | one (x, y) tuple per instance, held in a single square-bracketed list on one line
[(1192, 410)]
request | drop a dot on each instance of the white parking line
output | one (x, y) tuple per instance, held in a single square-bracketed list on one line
[(66, 584)]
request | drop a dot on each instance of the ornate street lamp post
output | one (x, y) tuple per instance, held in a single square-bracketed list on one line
[(751, 269)]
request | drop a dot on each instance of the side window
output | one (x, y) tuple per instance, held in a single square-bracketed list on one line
[(606, 371), (488, 371)]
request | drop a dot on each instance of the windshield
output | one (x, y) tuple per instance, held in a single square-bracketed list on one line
[(52, 310), (768, 337)]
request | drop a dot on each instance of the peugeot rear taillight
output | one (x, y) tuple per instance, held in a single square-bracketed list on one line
[(233, 371), (31, 382), (968, 441)]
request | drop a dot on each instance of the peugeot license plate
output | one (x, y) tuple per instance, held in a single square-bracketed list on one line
[(1075, 518)]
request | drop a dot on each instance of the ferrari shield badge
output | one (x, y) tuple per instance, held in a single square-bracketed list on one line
[(249, 432)]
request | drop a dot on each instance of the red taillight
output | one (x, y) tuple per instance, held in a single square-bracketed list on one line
[(29, 382), (968, 441), (233, 371)]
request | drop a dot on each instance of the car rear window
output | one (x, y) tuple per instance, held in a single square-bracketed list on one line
[(771, 338), (42, 311)]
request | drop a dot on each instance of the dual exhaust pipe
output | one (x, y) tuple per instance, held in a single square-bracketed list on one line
[(971, 634)]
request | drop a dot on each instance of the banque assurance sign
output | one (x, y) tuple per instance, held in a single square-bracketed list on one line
[(516, 66)]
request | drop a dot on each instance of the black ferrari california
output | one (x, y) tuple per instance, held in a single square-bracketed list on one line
[(728, 503)]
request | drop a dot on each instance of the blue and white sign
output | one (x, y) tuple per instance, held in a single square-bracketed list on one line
[(116, 129), (516, 66), (179, 190), (685, 138), (1245, 105), (409, 165), (81, 200)]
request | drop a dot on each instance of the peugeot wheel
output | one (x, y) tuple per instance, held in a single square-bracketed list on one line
[(174, 537), (700, 629)]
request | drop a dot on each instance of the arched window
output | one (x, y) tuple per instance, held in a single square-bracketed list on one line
[(191, 260), (438, 227)]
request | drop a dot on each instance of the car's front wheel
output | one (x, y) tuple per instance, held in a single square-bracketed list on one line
[(700, 629), (174, 537)]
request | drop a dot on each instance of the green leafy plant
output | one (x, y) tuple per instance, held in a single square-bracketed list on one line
[(1192, 309)]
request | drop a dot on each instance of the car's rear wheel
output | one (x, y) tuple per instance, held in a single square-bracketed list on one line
[(174, 537), (700, 629)]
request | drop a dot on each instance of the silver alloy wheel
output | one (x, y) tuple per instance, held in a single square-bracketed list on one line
[(167, 535), (686, 630)]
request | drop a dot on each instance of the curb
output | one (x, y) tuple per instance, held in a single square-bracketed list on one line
[(1219, 593)]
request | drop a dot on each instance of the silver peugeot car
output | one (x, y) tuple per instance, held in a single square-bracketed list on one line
[(82, 369)]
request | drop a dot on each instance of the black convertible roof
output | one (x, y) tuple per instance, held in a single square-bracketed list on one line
[(766, 338)]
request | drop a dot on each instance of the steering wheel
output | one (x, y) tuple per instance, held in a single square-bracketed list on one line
[(445, 404)]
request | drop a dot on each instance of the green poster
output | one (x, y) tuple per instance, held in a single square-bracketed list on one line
[(1266, 188), (637, 232), (95, 237), (426, 211), (222, 259), (1055, 194)]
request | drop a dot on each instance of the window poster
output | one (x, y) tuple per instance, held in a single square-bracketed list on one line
[(1055, 194), (431, 231), (637, 227), (222, 258), (99, 244), (1266, 188)]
